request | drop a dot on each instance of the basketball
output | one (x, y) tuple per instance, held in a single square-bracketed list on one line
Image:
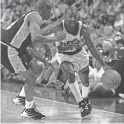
[(111, 79)]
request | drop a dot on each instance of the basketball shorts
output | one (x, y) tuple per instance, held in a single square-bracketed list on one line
[(14, 61), (79, 60)]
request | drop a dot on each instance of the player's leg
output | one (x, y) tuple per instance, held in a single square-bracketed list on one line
[(30, 110), (20, 99), (6, 63), (84, 77), (68, 68), (81, 62), (21, 65)]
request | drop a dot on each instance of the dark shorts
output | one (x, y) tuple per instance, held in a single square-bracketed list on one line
[(14, 62)]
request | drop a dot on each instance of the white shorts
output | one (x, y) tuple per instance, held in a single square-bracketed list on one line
[(79, 60)]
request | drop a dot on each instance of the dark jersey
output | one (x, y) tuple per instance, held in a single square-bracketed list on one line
[(18, 33)]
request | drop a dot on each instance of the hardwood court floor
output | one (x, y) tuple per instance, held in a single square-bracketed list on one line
[(56, 112)]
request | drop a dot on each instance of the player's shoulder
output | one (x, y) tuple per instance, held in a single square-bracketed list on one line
[(34, 16)]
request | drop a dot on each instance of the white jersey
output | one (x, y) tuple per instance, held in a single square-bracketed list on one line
[(71, 42), (71, 50)]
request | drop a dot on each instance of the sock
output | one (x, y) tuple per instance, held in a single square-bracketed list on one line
[(29, 104), (85, 91), (22, 93), (76, 91)]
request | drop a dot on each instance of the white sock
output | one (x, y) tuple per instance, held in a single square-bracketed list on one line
[(76, 91), (85, 91), (29, 104), (22, 93)]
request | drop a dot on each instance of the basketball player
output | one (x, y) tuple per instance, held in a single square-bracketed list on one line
[(73, 57), (15, 42)]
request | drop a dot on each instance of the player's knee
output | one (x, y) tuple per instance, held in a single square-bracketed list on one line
[(69, 71), (71, 76)]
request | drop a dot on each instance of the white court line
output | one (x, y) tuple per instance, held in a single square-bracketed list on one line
[(67, 103)]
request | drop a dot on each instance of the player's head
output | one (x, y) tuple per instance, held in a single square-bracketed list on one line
[(44, 8), (71, 16)]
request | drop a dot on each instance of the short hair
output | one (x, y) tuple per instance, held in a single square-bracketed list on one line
[(71, 9)]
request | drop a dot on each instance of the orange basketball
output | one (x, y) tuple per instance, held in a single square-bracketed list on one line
[(111, 79)]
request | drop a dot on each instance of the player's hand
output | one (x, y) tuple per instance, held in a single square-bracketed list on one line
[(61, 35)]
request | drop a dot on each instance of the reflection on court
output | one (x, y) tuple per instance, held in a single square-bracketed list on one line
[(56, 112)]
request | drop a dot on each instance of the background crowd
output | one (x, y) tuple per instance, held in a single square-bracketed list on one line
[(105, 19)]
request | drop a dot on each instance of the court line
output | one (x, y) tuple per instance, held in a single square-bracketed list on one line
[(67, 103)]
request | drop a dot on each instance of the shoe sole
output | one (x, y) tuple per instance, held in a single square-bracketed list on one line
[(24, 115), (33, 118)]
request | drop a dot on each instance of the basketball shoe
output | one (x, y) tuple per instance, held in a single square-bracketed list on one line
[(84, 109), (88, 103), (32, 113), (19, 100)]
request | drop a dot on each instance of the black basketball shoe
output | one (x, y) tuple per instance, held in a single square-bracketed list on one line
[(88, 103), (32, 113), (84, 109)]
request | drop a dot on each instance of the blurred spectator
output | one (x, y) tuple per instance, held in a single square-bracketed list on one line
[(118, 36), (120, 50), (107, 48), (7, 16), (120, 44), (119, 23)]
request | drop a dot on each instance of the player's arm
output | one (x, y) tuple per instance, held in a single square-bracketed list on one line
[(52, 28), (86, 35), (35, 21), (35, 54), (55, 29)]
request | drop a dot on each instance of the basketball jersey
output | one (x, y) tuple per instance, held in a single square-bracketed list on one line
[(71, 42), (18, 33)]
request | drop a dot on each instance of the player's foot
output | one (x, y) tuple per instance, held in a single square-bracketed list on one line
[(32, 113), (88, 104), (19, 100), (84, 109)]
